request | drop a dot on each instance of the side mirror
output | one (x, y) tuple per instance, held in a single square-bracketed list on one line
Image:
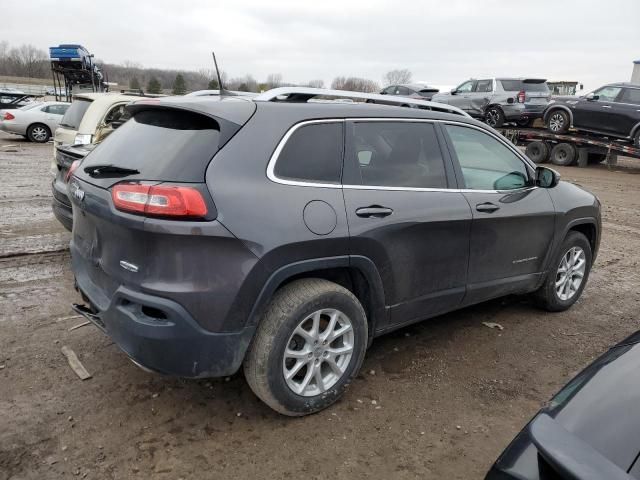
[(547, 177), (454, 91), (591, 97)]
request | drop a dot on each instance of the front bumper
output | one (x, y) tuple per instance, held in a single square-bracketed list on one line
[(159, 334)]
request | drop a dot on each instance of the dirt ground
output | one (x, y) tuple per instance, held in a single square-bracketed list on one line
[(440, 399)]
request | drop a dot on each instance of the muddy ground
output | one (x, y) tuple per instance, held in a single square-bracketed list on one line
[(437, 400)]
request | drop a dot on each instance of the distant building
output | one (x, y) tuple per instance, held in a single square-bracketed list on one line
[(635, 76)]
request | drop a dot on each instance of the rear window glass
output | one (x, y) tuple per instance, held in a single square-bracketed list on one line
[(313, 153), (517, 85), (74, 114), (170, 145), (631, 95)]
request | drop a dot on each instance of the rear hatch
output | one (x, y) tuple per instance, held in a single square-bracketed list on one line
[(68, 128), (535, 91), (131, 178)]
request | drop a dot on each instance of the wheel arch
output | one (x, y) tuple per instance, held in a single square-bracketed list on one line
[(558, 107), (33, 124), (634, 130), (588, 226), (357, 274)]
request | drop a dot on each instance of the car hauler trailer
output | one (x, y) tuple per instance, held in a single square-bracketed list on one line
[(73, 66), (569, 148)]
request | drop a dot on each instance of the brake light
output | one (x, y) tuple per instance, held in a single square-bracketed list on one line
[(72, 168), (521, 96), (159, 200), (8, 116)]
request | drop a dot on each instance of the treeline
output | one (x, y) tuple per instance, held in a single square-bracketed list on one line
[(30, 61)]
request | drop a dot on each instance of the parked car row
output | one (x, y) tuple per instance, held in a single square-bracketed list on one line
[(35, 121)]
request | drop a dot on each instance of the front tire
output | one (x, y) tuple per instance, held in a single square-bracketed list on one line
[(568, 275), (494, 117), (308, 347), (38, 133), (558, 121), (636, 139)]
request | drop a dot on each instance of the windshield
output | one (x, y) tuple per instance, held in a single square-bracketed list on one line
[(517, 85), (74, 114)]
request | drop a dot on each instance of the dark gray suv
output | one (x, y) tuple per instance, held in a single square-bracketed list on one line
[(283, 236)]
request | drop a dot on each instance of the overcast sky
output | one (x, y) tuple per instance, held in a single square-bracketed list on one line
[(442, 42)]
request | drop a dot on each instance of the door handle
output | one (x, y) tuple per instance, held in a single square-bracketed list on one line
[(487, 207), (606, 106), (375, 211)]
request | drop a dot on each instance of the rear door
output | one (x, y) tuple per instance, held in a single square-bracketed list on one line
[(627, 110), (480, 97), (405, 217), (513, 222)]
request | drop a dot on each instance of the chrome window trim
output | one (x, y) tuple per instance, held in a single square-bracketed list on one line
[(300, 183)]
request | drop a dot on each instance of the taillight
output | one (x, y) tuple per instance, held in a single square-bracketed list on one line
[(159, 200), (521, 96), (8, 116), (72, 168)]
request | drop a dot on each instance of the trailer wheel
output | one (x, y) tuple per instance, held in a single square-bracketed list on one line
[(538, 151), (558, 121), (563, 154)]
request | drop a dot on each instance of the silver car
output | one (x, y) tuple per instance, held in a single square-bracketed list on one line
[(500, 100), (36, 121)]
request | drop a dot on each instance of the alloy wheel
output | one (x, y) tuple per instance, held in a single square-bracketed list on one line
[(556, 122), (318, 352), (39, 134), (492, 117), (570, 273)]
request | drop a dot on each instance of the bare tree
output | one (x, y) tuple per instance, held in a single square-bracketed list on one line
[(354, 84), (397, 77), (315, 84), (274, 80)]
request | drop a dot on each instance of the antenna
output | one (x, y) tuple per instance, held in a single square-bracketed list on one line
[(220, 86)]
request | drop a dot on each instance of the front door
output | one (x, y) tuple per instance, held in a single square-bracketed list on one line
[(513, 221), (462, 96), (403, 216), (597, 114)]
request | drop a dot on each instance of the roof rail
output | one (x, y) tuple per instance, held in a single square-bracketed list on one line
[(302, 94)]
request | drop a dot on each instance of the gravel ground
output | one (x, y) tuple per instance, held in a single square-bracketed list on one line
[(440, 399)]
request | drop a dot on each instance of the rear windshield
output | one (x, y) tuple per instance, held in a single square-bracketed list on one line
[(74, 114), (517, 85), (169, 145)]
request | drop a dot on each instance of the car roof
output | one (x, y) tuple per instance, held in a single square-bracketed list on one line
[(105, 97), (623, 84)]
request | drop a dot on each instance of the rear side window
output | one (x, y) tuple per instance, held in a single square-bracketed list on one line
[(396, 154), (631, 95), (74, 114), (162, 144), (484, 86), (518, 85), (313, 153)]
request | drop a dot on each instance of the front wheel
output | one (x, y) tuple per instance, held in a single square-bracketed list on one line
[(636, 139), (309, 346), (494, 117), (567, 278)]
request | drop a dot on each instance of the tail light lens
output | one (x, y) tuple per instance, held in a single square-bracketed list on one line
[(8, 116), (159, 200), (521, 96), (72, 169)]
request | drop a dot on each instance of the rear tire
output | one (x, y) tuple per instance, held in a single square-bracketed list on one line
[(290, 347), (636, 139), (561, 289), (563, 154), (494, 117), (558, 121), (38, 133), (538, 151), (525, 122)]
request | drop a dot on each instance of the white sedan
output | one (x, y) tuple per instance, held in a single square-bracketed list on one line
[(36, 121)]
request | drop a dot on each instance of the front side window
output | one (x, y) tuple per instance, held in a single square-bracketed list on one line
[(607, 94), (486, 163), (396, 154), (466, 87), (313, 153)]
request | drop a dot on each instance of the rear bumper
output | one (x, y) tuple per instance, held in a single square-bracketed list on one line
[(61, 207), (159, 335)]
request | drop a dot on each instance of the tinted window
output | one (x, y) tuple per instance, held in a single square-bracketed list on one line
[(313, 153), (517, 85), (486, 163), (607, 94), (484, 86), (167, 144), (74, 114), (57, 109), (631, 95), (397, 154)]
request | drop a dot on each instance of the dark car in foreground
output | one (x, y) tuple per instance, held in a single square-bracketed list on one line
[(283, 235), (500, 100), (589, 430), (612, 110)]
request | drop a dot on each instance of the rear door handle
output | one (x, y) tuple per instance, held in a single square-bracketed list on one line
[(375, 211), (487, 207), (606, 106)]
